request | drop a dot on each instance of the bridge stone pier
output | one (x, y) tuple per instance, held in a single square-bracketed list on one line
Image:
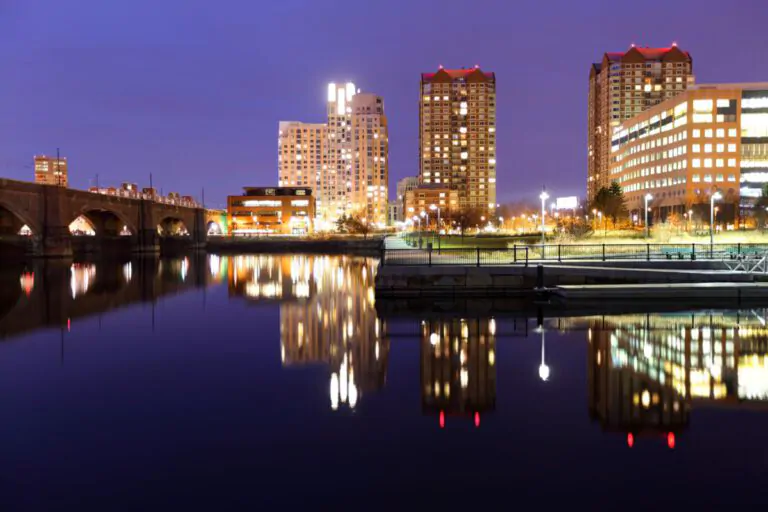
[(48, 211)]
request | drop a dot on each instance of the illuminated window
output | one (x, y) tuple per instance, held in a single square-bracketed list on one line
[(707, 148), (702, 118), (704, 106), (731, 148), (696, 148), (720, 148), (707, 163), (720, 132), (696, 133), (731, 162), (696, 163), (708, 133), (708, 178), (731, 177), (696, 178), (731, 132), (723, 103), (719, 162)]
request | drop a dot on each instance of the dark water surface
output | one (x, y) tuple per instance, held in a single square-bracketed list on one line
[(264, 382)]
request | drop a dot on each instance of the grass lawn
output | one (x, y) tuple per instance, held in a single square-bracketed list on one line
[(599, 237), (471, 241)]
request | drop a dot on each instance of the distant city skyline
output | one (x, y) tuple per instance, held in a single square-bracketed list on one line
[(192, 93)]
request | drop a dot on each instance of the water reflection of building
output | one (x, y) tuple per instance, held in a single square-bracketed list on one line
[(458, 367), (271, 277), (645, 372), (327, 316)]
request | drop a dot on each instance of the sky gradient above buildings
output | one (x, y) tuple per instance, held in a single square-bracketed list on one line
[(192, 91)]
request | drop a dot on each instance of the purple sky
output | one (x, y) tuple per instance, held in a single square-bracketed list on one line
[(192, 90)]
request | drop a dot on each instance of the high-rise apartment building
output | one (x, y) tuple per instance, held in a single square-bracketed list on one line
[(301, 157), (345, 160), (51, 170), (623, 85), (367, 193), (457, 134), (712, 138)]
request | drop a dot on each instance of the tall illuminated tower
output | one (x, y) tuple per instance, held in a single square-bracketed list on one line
[(345, 160), (457, 134), (621, 86)]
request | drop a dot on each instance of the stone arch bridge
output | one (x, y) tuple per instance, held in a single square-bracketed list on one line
[(48, 211)]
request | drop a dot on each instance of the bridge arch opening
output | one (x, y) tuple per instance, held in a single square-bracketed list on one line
[(101, 223), (172, 226), (13, 224), (81, 226), (214, 228)]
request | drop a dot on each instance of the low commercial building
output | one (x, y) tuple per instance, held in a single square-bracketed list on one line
[(710, 139), (271, 211), (403, 186), (421, 198)]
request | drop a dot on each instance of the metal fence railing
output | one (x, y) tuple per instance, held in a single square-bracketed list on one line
[(456, 256), (523, 254)]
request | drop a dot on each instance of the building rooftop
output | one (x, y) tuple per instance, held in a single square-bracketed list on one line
[(457, 73), (278, 191), (647, 53), (749, 86)]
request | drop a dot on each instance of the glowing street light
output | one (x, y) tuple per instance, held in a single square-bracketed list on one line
[(647, 198), (543, 196), (434, 207), (715, 197)]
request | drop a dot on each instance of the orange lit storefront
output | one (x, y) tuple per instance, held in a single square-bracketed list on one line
[(271, 211)]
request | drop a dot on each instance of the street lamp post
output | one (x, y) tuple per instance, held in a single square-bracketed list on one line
[(416, 218), (647, 198), (600, 221), (435, 207), (425, 215), (543, 196), (715, 197)]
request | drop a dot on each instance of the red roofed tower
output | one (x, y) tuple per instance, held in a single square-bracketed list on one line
[(457, 135), (623, 85)]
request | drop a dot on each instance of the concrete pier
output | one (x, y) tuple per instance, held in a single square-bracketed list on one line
[(516, 280)]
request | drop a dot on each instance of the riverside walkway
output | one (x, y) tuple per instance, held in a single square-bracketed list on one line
[(397, 252)]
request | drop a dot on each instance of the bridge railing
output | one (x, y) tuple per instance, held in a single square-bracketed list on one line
[(523, 254), (130, 194)]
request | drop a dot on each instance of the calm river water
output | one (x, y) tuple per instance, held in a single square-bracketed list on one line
[(272, 381)]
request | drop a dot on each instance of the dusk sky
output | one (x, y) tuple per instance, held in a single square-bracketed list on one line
[(192, 90)]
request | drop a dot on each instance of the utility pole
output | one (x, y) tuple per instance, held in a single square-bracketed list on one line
[(58, 168)]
